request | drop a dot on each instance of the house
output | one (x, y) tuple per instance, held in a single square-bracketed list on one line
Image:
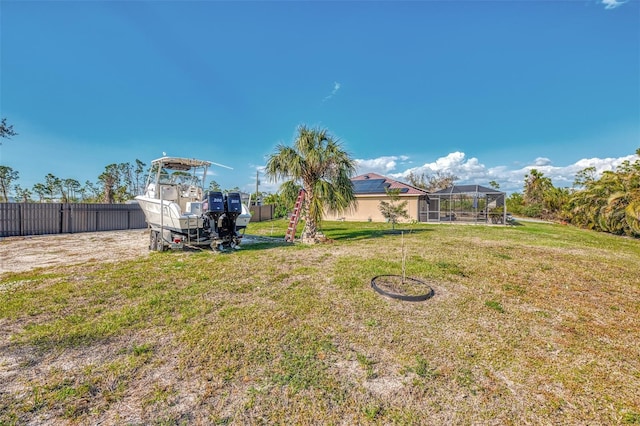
[(370, 189), (459, 203)]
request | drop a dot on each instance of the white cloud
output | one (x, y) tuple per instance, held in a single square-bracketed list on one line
[(336, 87), (454, 163), (472, 171), (612, 4), (542, 161), (380, 165)]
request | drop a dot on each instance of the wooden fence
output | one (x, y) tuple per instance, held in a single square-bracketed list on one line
[(262, 213), (20, 219)]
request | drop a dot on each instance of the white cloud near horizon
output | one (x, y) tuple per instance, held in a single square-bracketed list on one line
[(469, 170), (612, 4), (336, 87), (380, 165), (472, 171)]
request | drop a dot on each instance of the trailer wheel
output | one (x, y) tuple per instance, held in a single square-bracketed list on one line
[(153, 240), (159, 243)]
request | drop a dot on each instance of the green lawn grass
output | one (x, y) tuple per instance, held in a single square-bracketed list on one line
[(529, 324)]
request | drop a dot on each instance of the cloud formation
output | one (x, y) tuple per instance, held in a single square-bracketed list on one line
[(380, 165), (612, 4), (336, 87), (472, 171)]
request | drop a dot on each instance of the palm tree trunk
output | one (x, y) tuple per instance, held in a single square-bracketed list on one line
[(309, 232), (310, 226)]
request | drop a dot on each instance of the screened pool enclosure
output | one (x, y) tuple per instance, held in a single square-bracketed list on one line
[(468, 203)]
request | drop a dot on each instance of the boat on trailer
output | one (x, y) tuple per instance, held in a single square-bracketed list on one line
[(180, 212)]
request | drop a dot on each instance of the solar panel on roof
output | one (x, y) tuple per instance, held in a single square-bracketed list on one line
[(369, 186)]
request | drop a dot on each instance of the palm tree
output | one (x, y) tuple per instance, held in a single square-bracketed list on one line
[(319, 165), (611, 203)]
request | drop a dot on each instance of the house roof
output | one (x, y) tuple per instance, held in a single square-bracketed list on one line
[(373, 183)]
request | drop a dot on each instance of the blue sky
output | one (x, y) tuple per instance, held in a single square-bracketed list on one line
[(482, 89)]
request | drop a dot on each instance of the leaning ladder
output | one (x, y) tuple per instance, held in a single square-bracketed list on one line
[(295, 216)]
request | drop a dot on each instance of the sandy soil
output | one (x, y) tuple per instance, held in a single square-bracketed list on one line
[(18, 254)]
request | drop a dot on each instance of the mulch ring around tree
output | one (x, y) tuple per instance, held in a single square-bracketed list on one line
[(402, 288)]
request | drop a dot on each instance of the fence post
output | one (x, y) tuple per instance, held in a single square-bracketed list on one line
[(20, 219), (61, 220), (70, 218)]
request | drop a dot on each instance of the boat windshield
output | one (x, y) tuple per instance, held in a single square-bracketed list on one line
[(178, 177)]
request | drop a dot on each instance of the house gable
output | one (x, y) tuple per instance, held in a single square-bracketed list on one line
[(371, 188), (375, 184)]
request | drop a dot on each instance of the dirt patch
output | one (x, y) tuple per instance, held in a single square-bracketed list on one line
[(19, 254)]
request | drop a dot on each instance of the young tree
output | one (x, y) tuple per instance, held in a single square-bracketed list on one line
[(319, 165), (392, 210), (7, 176)]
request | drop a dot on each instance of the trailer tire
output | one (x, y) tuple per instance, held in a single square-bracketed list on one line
[(159, 242), (153, 240)]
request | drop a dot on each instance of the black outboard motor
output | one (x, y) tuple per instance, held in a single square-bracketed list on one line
[(213, 208), (215, 202), (227, 222), (222, 211), (234, 205)]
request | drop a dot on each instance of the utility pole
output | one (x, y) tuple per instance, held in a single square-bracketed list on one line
[(257, 183)]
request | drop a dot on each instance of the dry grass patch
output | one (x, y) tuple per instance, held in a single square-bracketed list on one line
[(534, 324)]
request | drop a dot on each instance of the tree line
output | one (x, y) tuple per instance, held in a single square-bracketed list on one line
[(609, 203), (118, 183), (317, 163)]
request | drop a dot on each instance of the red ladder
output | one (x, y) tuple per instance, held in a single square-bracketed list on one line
[(295, 216)]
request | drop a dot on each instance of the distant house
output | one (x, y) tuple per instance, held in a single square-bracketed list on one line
[(370, 189), (458, 203)]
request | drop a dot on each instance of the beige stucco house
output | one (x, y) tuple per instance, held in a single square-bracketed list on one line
[(370, 189)]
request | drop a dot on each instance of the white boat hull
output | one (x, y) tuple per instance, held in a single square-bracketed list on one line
[(171, 217)]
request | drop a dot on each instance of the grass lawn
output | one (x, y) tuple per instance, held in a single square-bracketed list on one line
[(529, 324)]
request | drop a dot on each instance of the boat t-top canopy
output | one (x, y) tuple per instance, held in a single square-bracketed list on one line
[(177, 163)]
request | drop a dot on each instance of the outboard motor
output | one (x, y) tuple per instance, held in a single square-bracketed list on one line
[(215, 203), (213, 208), (234, 205), (222, 211), (226, 224)]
